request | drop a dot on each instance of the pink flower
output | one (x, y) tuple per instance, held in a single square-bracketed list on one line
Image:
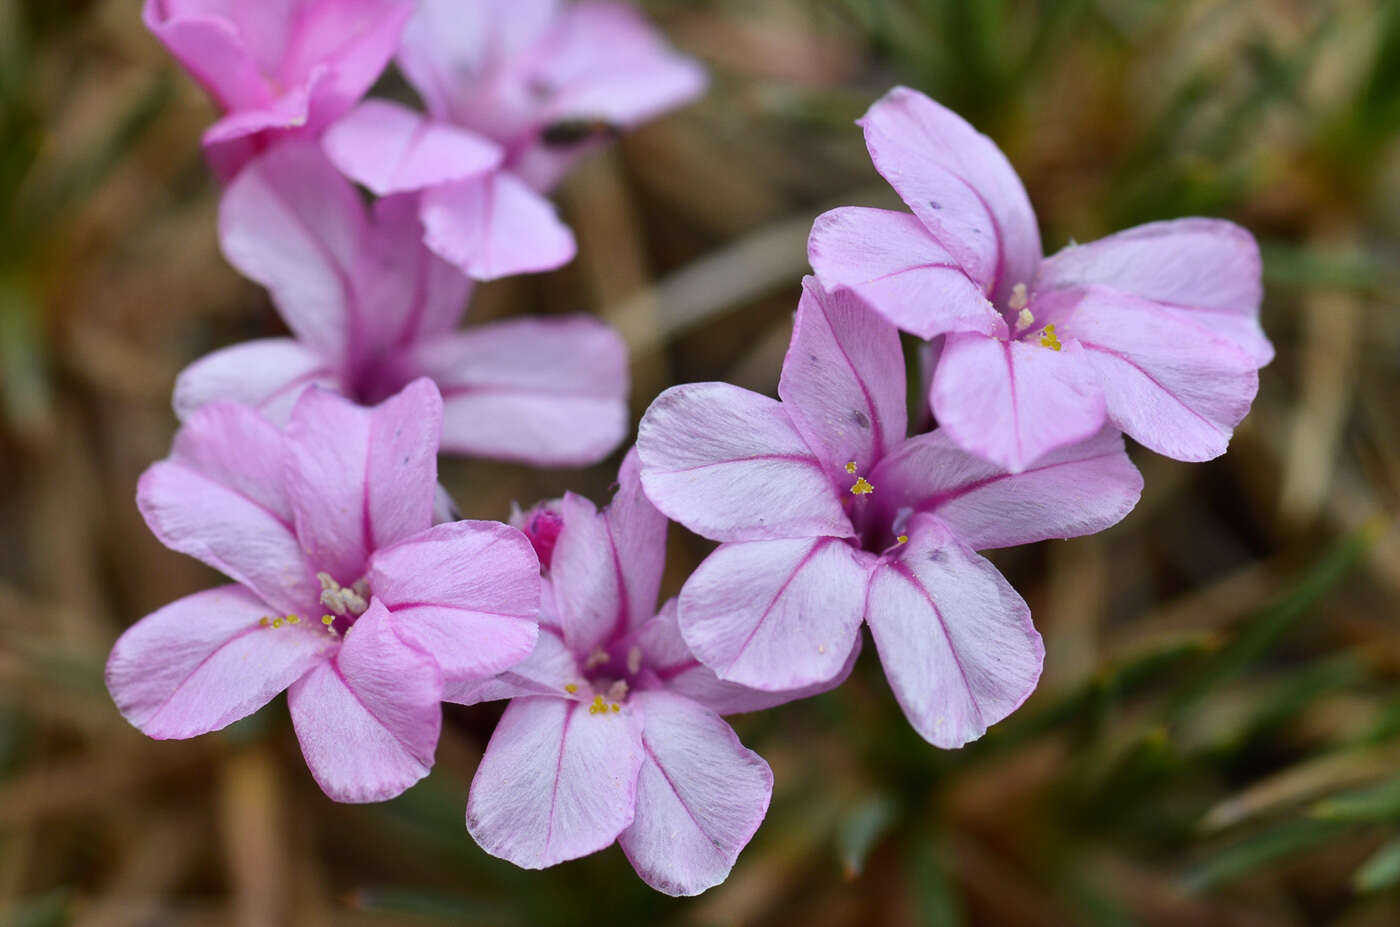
[(343, 594), (829, 516), (538, 81), (371, 309), (1155, 329), (614, 730), (277, 69)]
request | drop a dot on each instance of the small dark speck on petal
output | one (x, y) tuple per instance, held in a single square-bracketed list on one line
[(814, 358), (937, 555), (933, 204), (860, 418)]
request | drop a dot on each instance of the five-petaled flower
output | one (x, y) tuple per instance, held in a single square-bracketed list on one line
[(614, 729), (345, 594), (277, 70), (829, 515), (1155, 329), (516, 91), (372, 309)]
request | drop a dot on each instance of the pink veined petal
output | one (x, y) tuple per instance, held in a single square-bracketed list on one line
[(546, 671), (701, 795), (959, 184), (495, 227), (605, 61), (548, 392), (666, 655), (211, 48), (729, 464), (892, 262), (467, 593), (408, 293), (204, 661), (219, 498), (775, 615), (352, 40), (1013, 402), (360, 479), (449, 49), (368, 720), (1073, 491), (389, 148), (557, 782), (1207, 268), (268, 374), (1167, 381), (638, 533), (843, 382), (955, 639), (291, 223)]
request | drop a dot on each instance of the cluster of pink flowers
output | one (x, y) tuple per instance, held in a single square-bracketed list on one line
[(306, 467)]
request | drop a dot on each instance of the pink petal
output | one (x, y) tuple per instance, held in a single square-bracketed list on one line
[(209, 45), (843, 382), (1073, 491), (467, 593), (409, 293), (495, 227), (352, 40), (548, 392), (959, 184), (638, 534), (268, 374), (219, 497), (368, 721), (666, 655), (892, 262), (700, 797), (205, 661), (1207, 268), (556, 783), (1012, 402), (730, 465), (1168, 382), (775, 615), (546, 671), (361, 479), (291, 223), (955, 639), (389, 148)]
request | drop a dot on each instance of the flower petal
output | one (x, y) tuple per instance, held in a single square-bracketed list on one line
[(843, 382), (368, 721), (729, 464), (557, 782), (268, 374), (892, 262), (409, 293), (389, 148), (349, 40), (220, 498), (547, 392), (955, 639), (775, 615), (204, 661), (361, 479), (1208, 268), (959, 184), (212, 47), (546, 671), (1167, 381), (1069, 492), (290, 222), (701, 795), (467, 593), (1012, 402), (495, 227), (666, 655)]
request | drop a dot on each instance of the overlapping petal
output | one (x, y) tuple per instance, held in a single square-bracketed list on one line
[(390, 148), (268, 374), (495, 226)]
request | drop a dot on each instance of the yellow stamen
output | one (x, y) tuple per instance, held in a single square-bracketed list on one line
[(327, 620), (293, 619), (264, 621), (277, 622), (1048, 339), (1019, 297), (1024, 320), (903, 539), (616, 706), (851, 466), (597, 706), (571, 687), (862, 487)]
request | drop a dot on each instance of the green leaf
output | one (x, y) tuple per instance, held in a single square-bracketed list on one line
[(1375, 803), (934, 895), (861, 829), (1380, 871), (1258, 850)]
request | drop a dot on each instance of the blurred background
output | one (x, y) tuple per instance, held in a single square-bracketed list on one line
[(1216, 739)]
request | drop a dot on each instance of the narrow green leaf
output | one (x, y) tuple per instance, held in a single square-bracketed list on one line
[(934, 895), (1380, 871), (1375, 803), (861, 829), (1259, 849)]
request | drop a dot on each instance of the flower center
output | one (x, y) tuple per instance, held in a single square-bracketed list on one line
[(1024, 325), (345, 603)]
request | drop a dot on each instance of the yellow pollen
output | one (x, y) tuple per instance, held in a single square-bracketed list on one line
[(1024, 320), (327, 620), (1019, 298), (616, 706), (1048, 339), (293, 619), (903, 539), (571, 687), (277, 622), (851, 466), (264, 621), (862, 487), (597, 706)]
